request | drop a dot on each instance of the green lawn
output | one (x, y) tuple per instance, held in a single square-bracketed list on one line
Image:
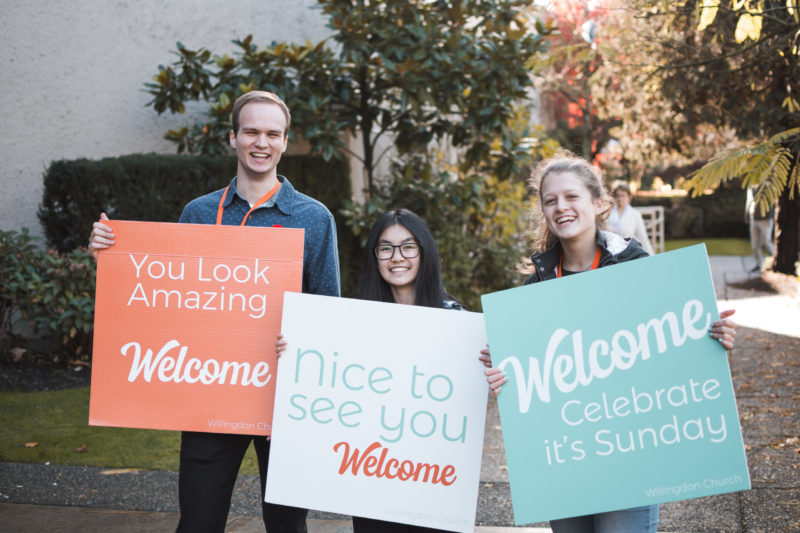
[(713, 246), (58, 422)]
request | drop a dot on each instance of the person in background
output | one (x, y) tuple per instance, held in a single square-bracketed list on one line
[(626, 221), (256, 196), (761, 224), (402, 265), (571, 238)]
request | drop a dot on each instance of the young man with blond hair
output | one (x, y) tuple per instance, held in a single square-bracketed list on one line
[(256, 196)]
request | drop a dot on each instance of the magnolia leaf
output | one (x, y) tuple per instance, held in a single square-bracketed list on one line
[(748, 27), (708, 12), (406, 66), (224, 100)]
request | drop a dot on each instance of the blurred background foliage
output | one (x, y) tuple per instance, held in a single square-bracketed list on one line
[(407, 72), (442, 107)]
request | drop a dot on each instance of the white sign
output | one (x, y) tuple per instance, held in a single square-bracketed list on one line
[(379, 411)]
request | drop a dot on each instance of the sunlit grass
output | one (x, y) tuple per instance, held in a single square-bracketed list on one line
[(713, 246), (57, 421)]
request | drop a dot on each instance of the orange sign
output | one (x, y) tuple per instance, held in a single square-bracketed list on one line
[(186, 317)]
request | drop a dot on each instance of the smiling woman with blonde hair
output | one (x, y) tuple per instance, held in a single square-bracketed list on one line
[(571, 212)]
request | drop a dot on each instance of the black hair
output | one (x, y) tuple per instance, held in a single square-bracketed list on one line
[(428, 286)]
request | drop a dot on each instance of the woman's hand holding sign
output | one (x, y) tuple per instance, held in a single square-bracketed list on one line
[(724, 330), (494, 376), (496, 379)]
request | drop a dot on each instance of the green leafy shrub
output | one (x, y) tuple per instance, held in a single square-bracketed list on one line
[(62, 301), (49, 293), (18, 267), (478, 222)]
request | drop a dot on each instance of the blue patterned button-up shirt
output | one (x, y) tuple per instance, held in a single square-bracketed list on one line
[(288, 209)]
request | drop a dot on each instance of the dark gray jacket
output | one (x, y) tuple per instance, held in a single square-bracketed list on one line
[(613, 249)]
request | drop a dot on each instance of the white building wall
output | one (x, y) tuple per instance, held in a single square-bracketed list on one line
[(73, 75)]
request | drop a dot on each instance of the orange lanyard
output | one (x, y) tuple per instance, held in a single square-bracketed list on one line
[(263, 199), (595, 263)]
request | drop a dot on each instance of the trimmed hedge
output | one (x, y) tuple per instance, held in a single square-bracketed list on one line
[(153, 187), (720, 214)]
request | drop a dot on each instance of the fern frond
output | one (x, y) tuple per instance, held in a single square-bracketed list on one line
[(724, 166), (794, 179), (772, 179), (782, 137), (765, 165)]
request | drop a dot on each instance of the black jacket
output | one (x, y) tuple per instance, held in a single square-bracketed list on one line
[(613, 249)]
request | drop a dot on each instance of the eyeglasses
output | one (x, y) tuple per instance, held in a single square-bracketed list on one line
[(409, 250)]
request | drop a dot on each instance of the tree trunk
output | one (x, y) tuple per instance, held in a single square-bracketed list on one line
[(787, 230), (366, 130), (587, 129)]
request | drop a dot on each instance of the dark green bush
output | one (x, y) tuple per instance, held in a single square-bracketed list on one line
[(720, 214), (723, 211), (135, 187), (49, 293), (153, 187), (18, 266), (63, 301)]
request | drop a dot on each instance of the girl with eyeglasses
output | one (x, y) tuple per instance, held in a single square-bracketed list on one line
[(571, 238), (402, 265)]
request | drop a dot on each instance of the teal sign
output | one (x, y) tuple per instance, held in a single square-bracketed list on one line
[(616, 395)]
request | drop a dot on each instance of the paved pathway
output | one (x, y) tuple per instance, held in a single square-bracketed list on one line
[(766, 371), (774, 313)]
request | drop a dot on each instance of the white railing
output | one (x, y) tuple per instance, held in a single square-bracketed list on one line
[(654, 224)]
